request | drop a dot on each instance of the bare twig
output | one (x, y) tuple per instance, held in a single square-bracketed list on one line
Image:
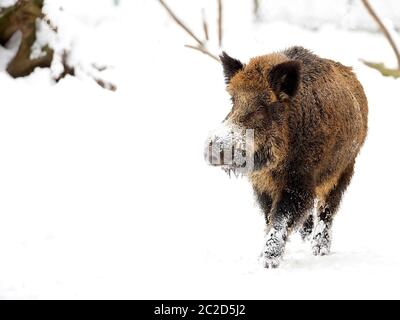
[(203, 50), (100, 68), (201, 47), (219, 21), (256, 8), (67, 68), (382, 27), (180, 23), (205, 24), (105, 85), (385, 71)]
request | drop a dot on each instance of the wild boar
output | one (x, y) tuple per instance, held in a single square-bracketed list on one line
[(308, 116)]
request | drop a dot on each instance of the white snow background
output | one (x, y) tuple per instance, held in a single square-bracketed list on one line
[(106, 194)]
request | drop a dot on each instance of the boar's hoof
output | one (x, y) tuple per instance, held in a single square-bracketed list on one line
[(271, 262), (273, 252), (321, 243)]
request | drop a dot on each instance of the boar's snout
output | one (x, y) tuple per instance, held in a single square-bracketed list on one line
[(216, 153), (210, 157), (228, 148)]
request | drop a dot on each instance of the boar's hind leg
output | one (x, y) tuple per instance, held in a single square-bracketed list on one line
[(307, 228), (322, 234), (289, 211)]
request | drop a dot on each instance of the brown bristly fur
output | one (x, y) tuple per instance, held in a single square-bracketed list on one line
[(310, 119), (332, 141)]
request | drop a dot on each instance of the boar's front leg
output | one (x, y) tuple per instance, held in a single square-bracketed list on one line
[(290, 210), (265, 201)]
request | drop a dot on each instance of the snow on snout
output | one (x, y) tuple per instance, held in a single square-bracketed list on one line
[(232, 148), (225, 139)]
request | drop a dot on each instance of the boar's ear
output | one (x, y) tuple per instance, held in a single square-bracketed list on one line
[(231, 66), (284, 78)]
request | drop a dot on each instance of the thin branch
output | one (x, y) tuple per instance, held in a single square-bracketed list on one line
[(205, 24), (180, 23), (387, 72), (203, 50), (200, 44), (382, 27), (105, 85), (220, 21), (256, 8), (68, 69)]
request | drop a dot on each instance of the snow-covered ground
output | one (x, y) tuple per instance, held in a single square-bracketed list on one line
[(106, 195)]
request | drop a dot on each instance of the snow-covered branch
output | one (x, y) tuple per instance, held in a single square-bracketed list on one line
[(38, 43)]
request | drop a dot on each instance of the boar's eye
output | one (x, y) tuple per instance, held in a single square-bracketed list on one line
[(258, 114)]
